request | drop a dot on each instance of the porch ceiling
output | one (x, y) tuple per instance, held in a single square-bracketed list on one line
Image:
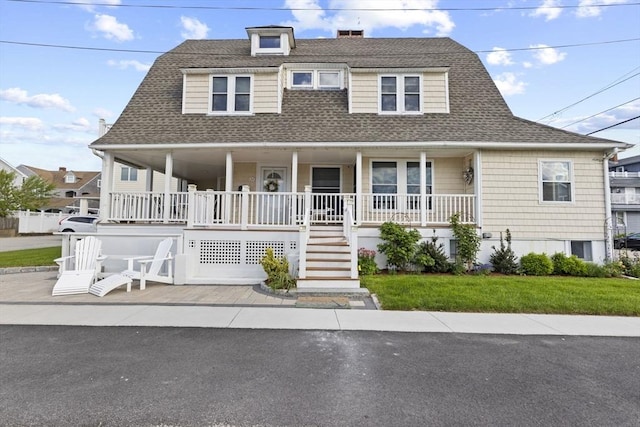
[(196, 164)]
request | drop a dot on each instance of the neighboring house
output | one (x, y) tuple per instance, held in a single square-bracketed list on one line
[(286, 140), (70, 187), (8, 167), (624, 176)]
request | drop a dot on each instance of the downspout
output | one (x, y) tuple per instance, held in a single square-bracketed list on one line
[(608, 244)]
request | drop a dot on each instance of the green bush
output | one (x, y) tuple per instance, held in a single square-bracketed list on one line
[(436, 253), (534, 264), (504, 260), (568, 266), (468, 241), (399, 245), (367, 262), (277, 270)]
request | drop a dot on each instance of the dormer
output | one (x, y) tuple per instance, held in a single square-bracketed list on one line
[(69, 177), (271, 40)]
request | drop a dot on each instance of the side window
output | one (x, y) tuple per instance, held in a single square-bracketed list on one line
[(128, 174), (581, 249), (556, 181)]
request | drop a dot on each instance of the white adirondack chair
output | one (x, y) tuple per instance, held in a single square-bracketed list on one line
[(151, 266), (78, 272)]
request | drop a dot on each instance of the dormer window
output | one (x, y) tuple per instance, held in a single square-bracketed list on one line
[(400, 94), (69, 178), (231, 94), (315, 79), (269, 42)]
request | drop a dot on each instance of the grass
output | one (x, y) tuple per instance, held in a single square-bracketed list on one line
[(30, 257), (507, 294)]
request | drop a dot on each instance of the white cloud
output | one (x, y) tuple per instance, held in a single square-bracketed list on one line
[(499, 56), (527, 64), (124, 64), (508, 84), (102, 113), (193, 29), (432, 21), (546, 55), (26, 123), (588, 124), (548, 9), (111, 29), (42, 100), (588, 10), (80, 125)]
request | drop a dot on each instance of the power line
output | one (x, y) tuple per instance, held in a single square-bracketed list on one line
[(601, 112), (58, 46), (409, 9), (614, 125), (607, 87)]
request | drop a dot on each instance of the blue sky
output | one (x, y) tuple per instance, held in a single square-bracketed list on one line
[(545, 56)]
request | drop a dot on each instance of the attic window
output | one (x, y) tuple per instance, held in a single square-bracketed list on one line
[(69, 178), (269, 42), (315, 79)]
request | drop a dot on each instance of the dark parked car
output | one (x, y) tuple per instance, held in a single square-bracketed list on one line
[(630, 241)]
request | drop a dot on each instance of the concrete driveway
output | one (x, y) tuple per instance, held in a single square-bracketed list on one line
[(29, 242)]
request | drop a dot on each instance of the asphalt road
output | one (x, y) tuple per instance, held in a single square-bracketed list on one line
[(180, 377)]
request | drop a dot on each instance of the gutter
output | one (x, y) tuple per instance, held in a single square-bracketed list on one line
[(608, 223)]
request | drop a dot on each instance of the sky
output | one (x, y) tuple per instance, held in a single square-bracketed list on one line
[(571, 64)]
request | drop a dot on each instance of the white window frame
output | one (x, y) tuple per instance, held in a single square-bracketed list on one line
[(571, 181), (587, 249), (231, 95), (69, 178), (400, 94), (270, 36), (315, 79), (401, 179), (128, 170)]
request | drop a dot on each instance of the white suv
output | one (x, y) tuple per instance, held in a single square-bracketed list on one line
[(78, 224)]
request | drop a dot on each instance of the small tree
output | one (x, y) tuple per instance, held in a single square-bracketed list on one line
[(34, 193), (504, 260), (467, 239), (399, 245), (435, 252)]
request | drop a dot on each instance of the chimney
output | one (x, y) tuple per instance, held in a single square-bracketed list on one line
[(350, 34), (62, 169)]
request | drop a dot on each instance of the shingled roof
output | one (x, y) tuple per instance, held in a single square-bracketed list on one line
[(478, 113)]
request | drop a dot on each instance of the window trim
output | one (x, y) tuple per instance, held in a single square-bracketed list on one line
[(231, 95), (307, 86), (541, 182), (400, 94)]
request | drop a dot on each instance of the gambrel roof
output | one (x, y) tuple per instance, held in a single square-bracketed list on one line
[(478, 113)]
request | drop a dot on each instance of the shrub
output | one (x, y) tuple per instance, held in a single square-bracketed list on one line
[(534, 264), (504, 260), (436, 252), (468, 241), (366, 262), (568, 266), (595, 270), (613, 269), (399, 245), (277, 270)]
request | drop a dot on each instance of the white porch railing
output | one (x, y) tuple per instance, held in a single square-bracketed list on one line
[(350, 231), (245, 209), (148, 206), (625, 198)]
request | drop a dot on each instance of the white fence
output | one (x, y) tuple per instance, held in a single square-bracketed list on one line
[(38, 222)]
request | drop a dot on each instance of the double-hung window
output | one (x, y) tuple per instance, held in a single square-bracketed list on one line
[(556, 181), (389, 179), (231, 95), (413, 184), (400, 94)]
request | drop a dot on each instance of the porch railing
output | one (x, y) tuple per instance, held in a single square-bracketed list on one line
[(245, 209)]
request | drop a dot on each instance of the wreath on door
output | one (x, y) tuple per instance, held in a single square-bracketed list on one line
[(468, 175), (271, 185)]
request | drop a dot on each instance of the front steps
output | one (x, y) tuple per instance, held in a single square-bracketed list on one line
[(328, 260)]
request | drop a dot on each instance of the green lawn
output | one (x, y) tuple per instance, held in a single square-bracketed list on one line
[(506, 294), (29, 257)]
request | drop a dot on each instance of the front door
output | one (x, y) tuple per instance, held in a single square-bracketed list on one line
[(272, 207)]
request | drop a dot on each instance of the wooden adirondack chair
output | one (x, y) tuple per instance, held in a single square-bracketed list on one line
[(150, 267), (78, 272)]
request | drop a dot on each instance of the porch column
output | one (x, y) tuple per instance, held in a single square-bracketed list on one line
[(148, 185), (423, 189), (359, 188), (168, 173), (294, 172), (477, 186), (228, 187), (106, 185)]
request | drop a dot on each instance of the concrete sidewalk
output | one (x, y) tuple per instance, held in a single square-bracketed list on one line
[(25, 300)]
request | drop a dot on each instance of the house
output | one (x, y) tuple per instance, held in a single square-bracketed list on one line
[(624, 176), (8, 167), (71, 187), (308, 146)]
